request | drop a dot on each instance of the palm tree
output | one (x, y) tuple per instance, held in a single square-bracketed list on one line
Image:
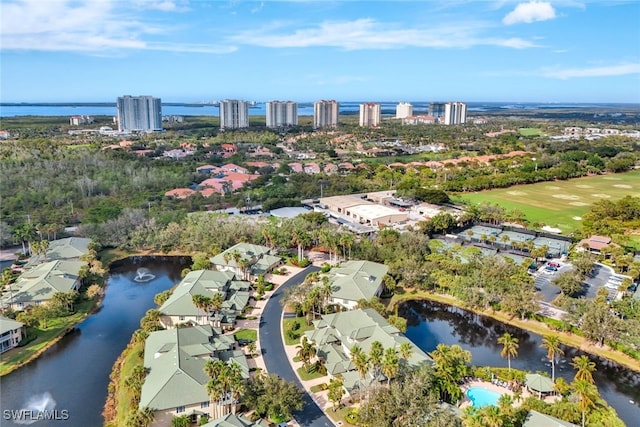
[(587, 396), (505, 239), (390, 364), (346, 240), (145, 416), (325, 291), (236, 386), (216, 301), (198, 301), (44, 247), (306, 351), (509, 347), (244, 265), (375, 356), (552, 344), (584, 369), (360, 361), (491, 416), (406, 350)]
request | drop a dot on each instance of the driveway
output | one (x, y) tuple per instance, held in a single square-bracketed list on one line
[(275, 357)]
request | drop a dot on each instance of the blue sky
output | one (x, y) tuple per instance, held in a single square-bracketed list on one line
[(179, 50)]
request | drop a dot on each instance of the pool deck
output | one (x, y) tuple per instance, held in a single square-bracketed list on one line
[(497, 389)]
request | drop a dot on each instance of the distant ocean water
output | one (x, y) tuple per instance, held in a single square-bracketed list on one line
[(304, 109)]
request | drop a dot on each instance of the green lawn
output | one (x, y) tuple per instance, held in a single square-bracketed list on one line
[(287, 325), (311, 375), (559, 204), (56, 328), (530, 132), (124, 396), (246, 334)]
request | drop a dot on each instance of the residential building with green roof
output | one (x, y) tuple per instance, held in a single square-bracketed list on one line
[(356, 280), (180, 308), (538, 419), (38, 285), (11, 333), (336, 334), (246, 260), (176, 381), (69, 248)]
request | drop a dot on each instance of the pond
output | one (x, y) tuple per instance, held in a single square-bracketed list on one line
[(429, 324), (73, 375)]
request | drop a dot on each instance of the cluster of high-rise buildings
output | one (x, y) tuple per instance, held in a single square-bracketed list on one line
[(144, 114), (448, 113)]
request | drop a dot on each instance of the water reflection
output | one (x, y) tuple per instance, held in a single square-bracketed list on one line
[(75, 372), (429, 324)]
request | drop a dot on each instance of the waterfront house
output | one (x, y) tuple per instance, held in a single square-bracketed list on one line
[(180, 308), (69, 248), (11, 333), (356, 280), (246, 260), (176, 381), (336, 334), (38, 285)]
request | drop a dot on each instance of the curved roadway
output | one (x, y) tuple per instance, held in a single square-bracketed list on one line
[(275, 357)]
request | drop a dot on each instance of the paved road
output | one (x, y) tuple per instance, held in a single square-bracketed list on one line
[(275, 358)]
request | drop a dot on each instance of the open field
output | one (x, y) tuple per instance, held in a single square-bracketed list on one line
[(530, 132), (560, 204)]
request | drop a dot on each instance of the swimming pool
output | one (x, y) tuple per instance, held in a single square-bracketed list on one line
[(482, 397)]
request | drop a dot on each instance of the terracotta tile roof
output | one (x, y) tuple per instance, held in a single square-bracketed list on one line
[(180, 193)]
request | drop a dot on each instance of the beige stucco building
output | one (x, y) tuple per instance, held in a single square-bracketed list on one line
[(363, 211)]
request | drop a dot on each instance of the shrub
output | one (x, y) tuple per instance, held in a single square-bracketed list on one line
[(352, 417)]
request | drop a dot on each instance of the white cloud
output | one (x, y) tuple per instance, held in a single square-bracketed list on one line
[(370, 34), (604, 71), (161, 5), (530, 12), (99, 27)]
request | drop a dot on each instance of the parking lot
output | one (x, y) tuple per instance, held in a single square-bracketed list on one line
[(600, 276), (545, 275)]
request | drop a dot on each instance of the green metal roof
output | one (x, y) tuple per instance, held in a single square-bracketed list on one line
[(355, 280), (361, 327), (69, 248), (260, 258), (175, 359), (537, 419), (199, 282), (7, 324), (44, 280)]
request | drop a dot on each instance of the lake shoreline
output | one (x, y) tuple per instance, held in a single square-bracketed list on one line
[(528, 325)]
